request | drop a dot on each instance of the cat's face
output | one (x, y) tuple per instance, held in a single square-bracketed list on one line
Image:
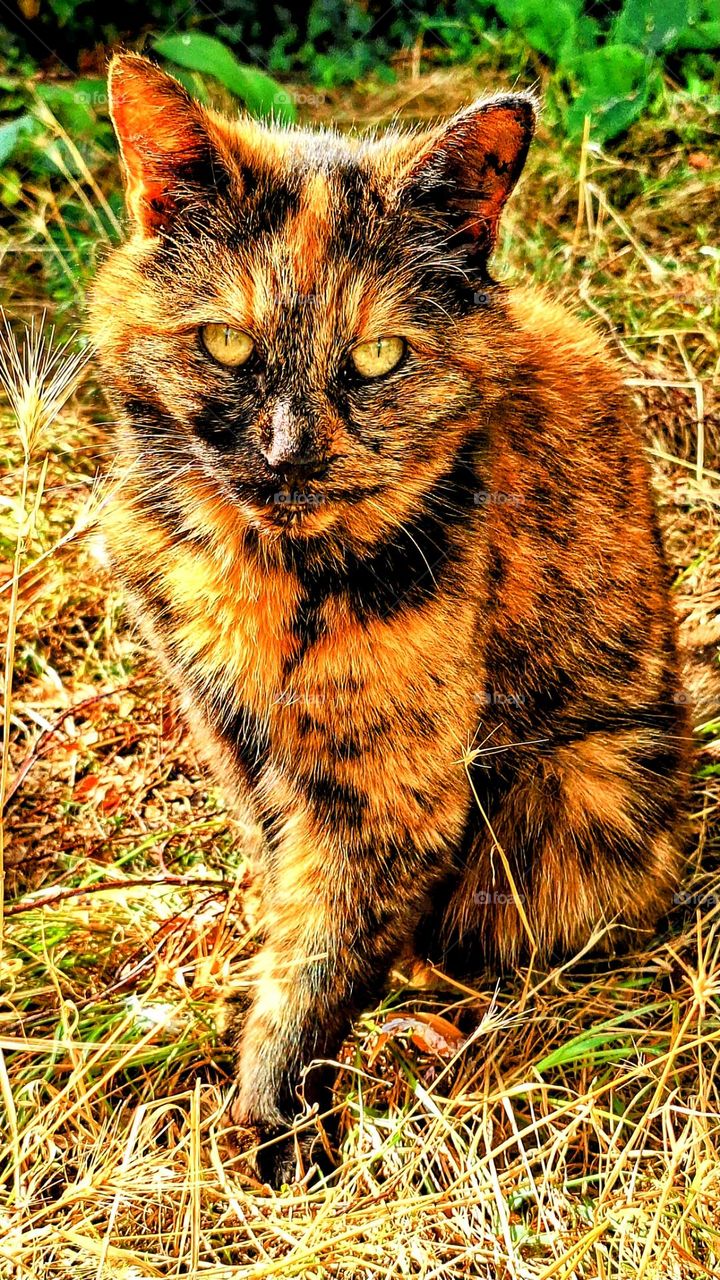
[(289, 325)]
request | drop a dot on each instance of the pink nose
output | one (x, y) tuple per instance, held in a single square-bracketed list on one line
[(285, 436), (288, 450)]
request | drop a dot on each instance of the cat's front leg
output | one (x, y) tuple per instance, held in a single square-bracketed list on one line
[(336, 919)]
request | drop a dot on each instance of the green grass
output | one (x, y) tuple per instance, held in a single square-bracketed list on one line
[(560, 1124)]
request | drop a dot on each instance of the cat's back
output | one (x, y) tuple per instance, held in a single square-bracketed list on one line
[(579, 613)]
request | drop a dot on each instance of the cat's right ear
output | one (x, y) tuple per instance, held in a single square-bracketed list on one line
[(465, 170), (164, 144)]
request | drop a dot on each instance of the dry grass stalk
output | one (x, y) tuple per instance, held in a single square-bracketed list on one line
[(38, 376)]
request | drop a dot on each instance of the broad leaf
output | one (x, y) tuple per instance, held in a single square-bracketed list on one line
[(547, 27), (74, 104), (195, 51), (651, 24), (12, 133), (613, 89), (698, 37)]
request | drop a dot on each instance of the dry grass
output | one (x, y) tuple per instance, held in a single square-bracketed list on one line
[(561, 1124)]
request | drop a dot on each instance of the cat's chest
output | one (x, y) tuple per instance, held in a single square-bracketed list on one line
[(311, 655)]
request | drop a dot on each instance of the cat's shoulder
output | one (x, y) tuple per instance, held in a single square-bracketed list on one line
[(558, 328), (572, 360)]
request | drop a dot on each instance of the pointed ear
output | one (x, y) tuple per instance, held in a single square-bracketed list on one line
[(163, 137), (468, 168)]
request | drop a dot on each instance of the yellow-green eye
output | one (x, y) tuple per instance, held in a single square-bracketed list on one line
[(226, 345), (373, 359)]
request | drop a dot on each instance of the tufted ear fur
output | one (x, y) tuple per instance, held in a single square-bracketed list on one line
[(468, 167), (165, 146)]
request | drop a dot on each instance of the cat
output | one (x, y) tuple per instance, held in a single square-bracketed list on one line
[(388, 526)]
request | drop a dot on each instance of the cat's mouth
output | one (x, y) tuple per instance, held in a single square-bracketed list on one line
[(304, 511), (296, 511), (288, 503)]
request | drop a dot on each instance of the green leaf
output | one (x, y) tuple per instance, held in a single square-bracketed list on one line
[(547, 27), (697, 37), (74, 104), (605, 1042), (651, 24), (194, 83), (613, 89), (64, 10), (262, 95), (13, 132), (11, 188), (587, 33)]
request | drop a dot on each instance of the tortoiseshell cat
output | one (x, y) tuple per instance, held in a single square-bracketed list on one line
[(388, 525)]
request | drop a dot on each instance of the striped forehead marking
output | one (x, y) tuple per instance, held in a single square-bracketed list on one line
[(308, 231)]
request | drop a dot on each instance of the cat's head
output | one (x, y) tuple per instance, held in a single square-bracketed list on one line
[(302, 324)]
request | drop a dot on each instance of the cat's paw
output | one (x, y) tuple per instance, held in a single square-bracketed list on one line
[(284, 1155), (281, 1158)]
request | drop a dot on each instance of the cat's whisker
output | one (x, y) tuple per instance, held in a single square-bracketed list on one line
[(403, 527)]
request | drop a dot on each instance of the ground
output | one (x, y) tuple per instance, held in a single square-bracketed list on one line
[(552, 1124)]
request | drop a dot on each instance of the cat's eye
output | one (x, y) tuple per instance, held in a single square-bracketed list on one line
[(373, 359), (227, 345)]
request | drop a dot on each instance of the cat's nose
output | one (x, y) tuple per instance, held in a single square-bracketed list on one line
[(287, 449)]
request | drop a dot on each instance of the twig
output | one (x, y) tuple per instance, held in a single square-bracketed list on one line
[(42, 743), (49, 898), (582, 190)]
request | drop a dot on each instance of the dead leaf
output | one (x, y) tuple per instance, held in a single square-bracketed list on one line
[(86, 787), (112, 800), (429, 1032)]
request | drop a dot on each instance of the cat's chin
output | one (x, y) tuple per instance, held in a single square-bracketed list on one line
[(295, 518)]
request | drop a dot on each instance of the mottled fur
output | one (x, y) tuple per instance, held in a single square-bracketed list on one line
[(435, 652)]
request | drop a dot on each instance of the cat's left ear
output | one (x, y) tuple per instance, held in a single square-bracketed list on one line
[(468, 168), (168, 156)]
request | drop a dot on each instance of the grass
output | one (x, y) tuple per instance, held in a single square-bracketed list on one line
[(552, 1124)]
